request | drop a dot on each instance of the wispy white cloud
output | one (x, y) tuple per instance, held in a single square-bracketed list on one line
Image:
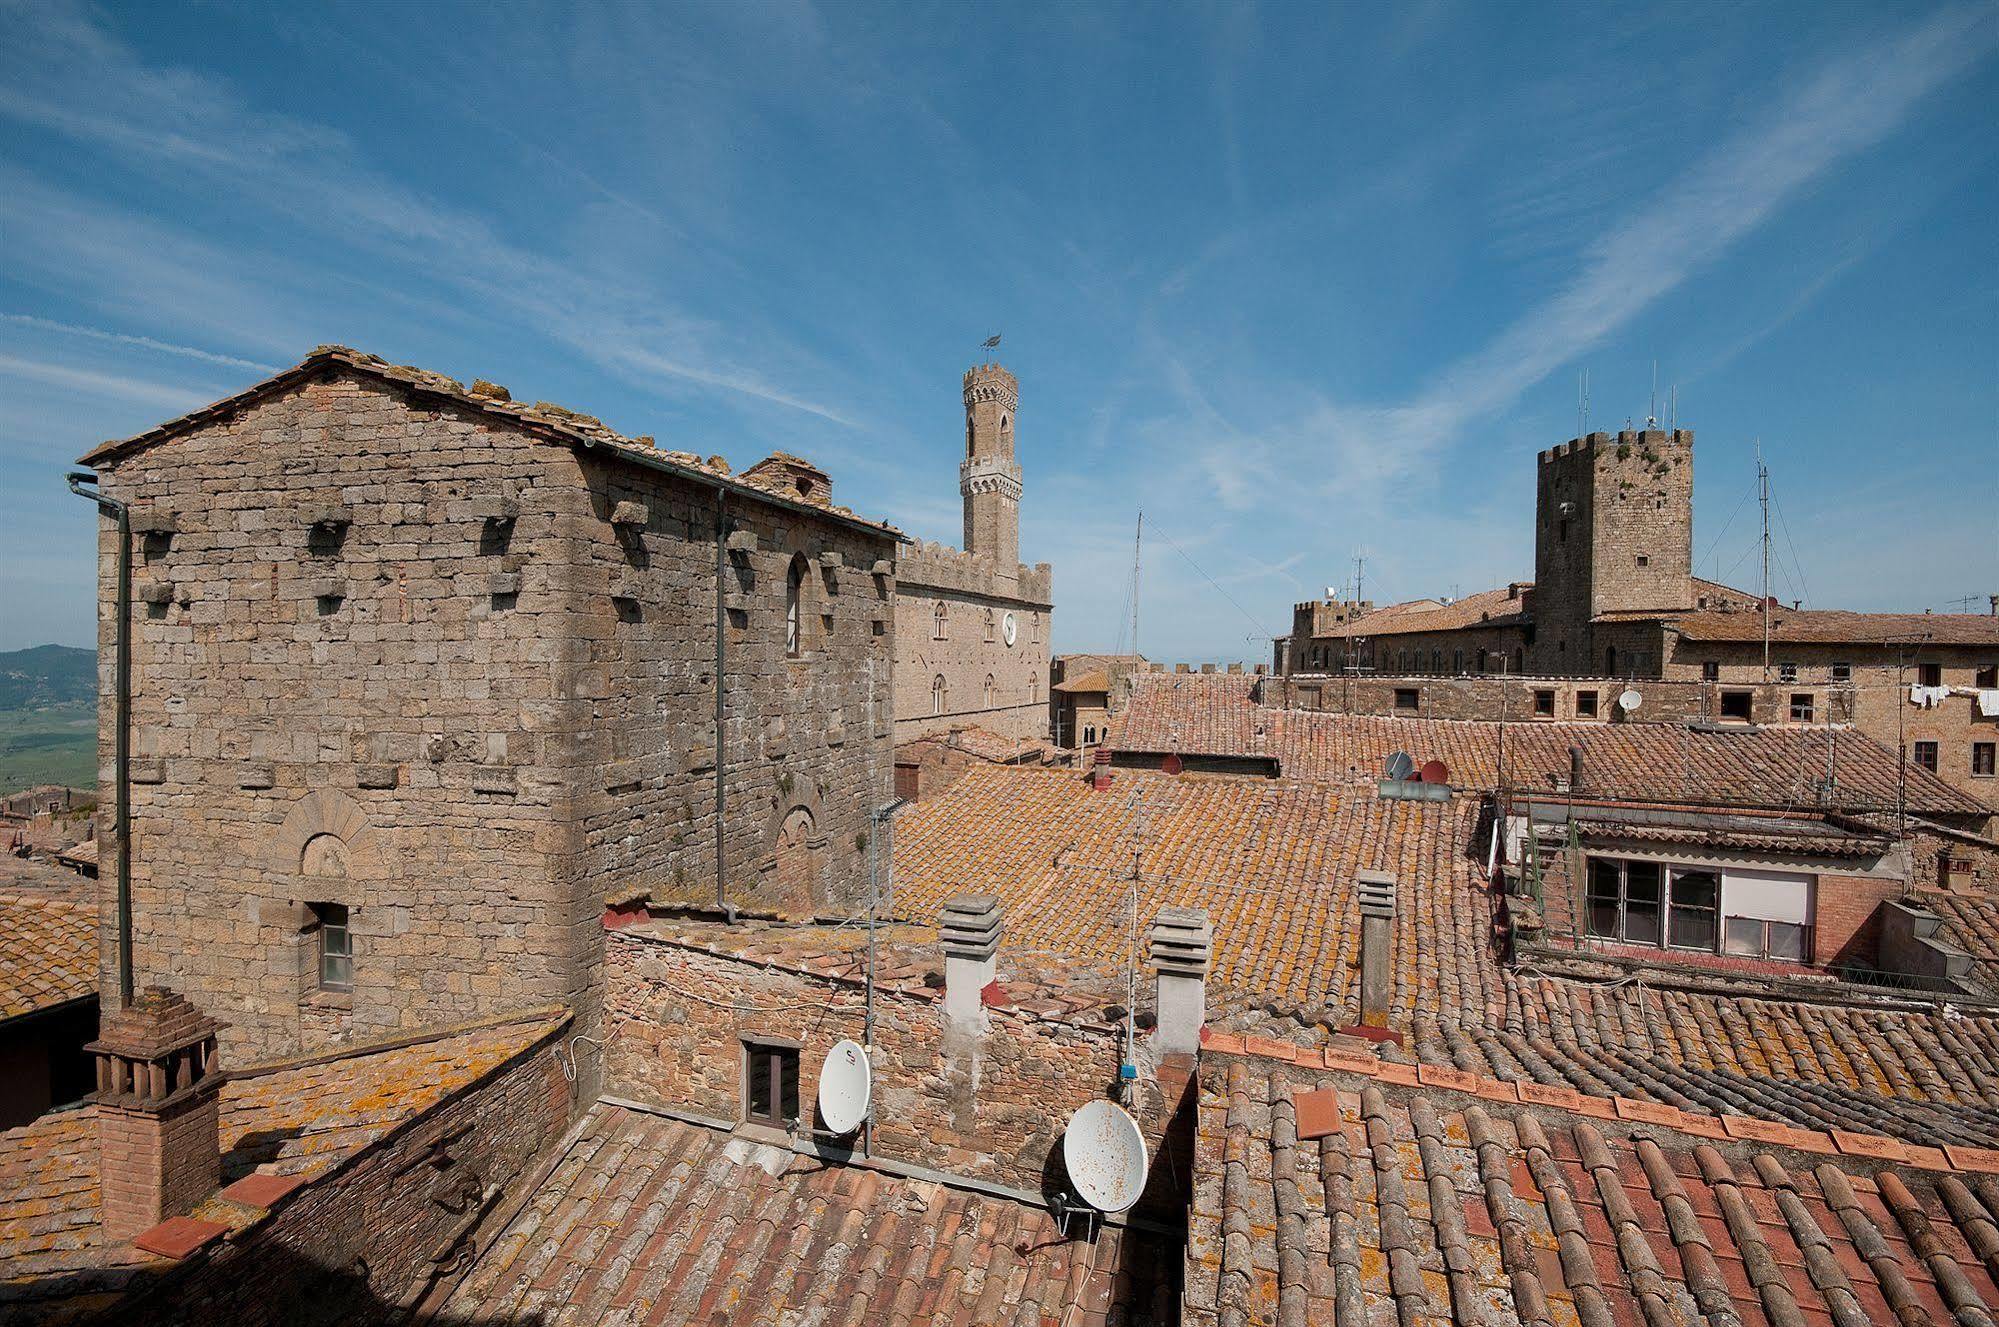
[(113, 386), (183, 125), (127, 339)]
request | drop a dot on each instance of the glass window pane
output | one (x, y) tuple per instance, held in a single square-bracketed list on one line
[(1787, 941), (1641, 882), (1695, 889), (1744, 936), (1693, 928), (759, 1104), (1641, 922), (788, 1072), (1604, 881)]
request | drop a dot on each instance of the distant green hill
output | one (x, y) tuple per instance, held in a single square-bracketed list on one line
[(47, 675)]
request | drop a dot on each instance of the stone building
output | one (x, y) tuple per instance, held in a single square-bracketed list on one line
[(1615, 607), (423, 675), (972, 625)]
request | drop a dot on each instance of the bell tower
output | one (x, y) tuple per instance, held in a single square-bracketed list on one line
[(989, 478)]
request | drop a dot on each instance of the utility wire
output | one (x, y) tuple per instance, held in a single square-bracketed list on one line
[(1261, 634), (1797, 566)]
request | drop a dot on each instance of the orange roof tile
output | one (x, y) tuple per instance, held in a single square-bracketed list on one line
[(48, 953)]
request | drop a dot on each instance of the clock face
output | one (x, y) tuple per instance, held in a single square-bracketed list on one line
[(1008, 629)]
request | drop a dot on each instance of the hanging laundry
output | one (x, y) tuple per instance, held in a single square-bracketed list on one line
[(1927, 697), (1988, 703)]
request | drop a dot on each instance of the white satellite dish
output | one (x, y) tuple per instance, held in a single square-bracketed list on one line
[(1629, 701), (846, 1086), (1104, 1154)]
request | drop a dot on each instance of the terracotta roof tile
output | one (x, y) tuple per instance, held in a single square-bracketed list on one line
[(1195, 714), (48, 953), (290, 1121), (650, 1218), (1454, 1211)]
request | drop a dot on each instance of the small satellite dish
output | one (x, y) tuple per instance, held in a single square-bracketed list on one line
[(1172, 764), (1629, 701), (1435, 771), (846, 1086), (1400, 766), (1104, 1154)]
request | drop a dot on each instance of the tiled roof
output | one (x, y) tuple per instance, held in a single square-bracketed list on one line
[(1487, 608), (1837, 627), (1971, 922), (543, 417), (48, 953), (1347, 1200), (1094, 680), (1770, 766), (290, 1120), (654, 1220), (1273, 864)]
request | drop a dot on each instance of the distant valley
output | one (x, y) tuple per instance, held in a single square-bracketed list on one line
[(48, 717)]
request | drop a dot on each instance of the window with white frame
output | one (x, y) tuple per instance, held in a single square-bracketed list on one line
[(1746, 912)]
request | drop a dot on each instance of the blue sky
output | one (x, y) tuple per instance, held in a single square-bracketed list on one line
[(1294, 279)]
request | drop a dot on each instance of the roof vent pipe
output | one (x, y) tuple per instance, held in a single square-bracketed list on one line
[(1182, 942), (1377, 921), (1575, 769)]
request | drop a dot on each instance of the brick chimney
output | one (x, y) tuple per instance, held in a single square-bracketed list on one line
[(1377, 948), (1181, 943), (1100, 768), (157, 1119), (969, 932)]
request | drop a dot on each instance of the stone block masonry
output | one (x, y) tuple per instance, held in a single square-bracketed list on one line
[(437, 677), (988, 1104)]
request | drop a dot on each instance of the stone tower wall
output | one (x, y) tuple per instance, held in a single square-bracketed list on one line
[(352, 686), (989, 478), (1613, 532)]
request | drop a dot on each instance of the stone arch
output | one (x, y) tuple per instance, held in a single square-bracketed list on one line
[(325, 814), (797, 843)]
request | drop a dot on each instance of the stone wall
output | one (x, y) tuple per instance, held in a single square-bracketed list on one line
[(363, 1237), (976, 596), (1613, 532), (990, 1105), (403, 656)]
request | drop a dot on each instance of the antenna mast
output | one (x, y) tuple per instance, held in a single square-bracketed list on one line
[(1763, 493), (1137, 543), (1359, 562)]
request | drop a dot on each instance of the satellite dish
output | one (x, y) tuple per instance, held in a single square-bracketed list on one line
[(1400, 766), (846, 1086), (1104, 1154), (1435, 771), (1172, 764), (1008, 628), (1629, 701)]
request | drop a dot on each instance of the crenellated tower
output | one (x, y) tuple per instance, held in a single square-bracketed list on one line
[(989, 477)]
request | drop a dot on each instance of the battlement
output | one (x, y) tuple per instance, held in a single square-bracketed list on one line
[(942, 567), (1628, 439), (990, 382)]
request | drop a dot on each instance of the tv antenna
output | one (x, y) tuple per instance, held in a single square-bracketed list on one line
[(1582, 403), (1137, 564), (1763, 495)]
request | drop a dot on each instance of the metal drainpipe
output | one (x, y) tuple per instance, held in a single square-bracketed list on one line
[(77, 481), (721, 663)]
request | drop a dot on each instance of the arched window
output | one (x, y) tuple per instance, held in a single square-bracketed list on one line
[(990, 620), (970, 437), (1610, 660), (1458, 661), (992, 692), (1437, 659), (1006, 435), (1481, 658), (794, 607), (937, 616), (939, 694)]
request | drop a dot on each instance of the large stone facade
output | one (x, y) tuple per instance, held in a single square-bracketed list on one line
[(443, 669), (972, 626)]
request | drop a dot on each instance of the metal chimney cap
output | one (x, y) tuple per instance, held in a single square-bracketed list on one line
[(1377, 893)]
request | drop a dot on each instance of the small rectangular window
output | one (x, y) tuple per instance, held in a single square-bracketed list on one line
[(1544, 703), (1644, 561), (1842, 672), (1926, 756), (770, 1084), (1801, 707), (1984, 759), (1406, 698), (1710, 671), (1736, 704), (1787, 672), (1586, 704), (1988, 679), (1930, 674), (336, 947), (1696, 902)]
